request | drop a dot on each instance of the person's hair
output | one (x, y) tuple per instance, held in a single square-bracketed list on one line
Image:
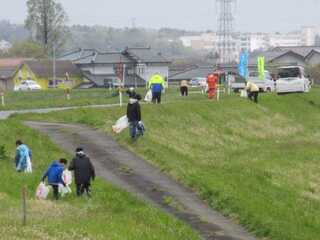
[(63, 161), (79, 149), (19, 142)]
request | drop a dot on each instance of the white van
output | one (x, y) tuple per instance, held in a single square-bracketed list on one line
[(292, 79)]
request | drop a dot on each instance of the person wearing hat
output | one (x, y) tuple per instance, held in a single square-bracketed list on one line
[(83, 172), (134, 116)]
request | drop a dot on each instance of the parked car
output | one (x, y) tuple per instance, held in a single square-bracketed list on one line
[(28, 85), (292, 79), (266, 84), (196, 82)]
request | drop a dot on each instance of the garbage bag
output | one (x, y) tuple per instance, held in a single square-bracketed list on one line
[(29, 165), (148, 97), (67, 177), (244, 93), (42, 191), (63, 190), (120, 125)]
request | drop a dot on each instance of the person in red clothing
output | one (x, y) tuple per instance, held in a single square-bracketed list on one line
[(212, 81)]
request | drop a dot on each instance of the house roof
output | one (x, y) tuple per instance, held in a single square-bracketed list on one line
[(301, 50), (201, 72), (44, 68), (129, 55), (7, 72), (144, 55), (11, 62)]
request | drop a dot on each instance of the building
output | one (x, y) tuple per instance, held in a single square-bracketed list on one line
[(8, 69), (284, 56), (134, 66), (14, 71)]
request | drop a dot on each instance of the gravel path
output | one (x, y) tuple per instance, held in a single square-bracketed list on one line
[(127, 171)]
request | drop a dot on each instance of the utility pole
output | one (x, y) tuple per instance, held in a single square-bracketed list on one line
[(54, 66)]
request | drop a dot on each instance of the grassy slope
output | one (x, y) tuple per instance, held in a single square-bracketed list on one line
[(257, 163), (56, 98), (110, 214)]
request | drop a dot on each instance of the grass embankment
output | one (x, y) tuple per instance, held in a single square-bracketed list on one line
[(79, 97), (256, 163), (110, 214)]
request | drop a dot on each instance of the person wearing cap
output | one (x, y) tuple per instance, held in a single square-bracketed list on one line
[(134, 116), (156, 84), (84, 172), (253, 91)]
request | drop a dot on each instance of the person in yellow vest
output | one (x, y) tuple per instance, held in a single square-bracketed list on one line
[(253, 91), (156, 84)]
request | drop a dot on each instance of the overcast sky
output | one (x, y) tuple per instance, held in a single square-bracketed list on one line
[(251, 15)]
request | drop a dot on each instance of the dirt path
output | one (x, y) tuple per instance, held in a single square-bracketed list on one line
[(127, 171)]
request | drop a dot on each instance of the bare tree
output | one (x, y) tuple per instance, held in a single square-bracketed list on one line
[(46, 21)]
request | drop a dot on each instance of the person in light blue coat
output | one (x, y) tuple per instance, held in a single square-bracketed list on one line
[(23, 152)]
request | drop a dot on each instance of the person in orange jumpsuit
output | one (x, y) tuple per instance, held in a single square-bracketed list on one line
[(212, 81)]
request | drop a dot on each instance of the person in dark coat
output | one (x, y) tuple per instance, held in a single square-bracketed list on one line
[(134, 116), (54, 175), (83, 172)]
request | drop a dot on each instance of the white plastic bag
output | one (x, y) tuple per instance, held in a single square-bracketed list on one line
[(29, 165), (67, 177), (148, 97), (121, 124), (42, 191), (244, 94), (63, 190)]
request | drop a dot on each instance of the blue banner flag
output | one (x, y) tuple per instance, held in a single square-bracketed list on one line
[(243, 64)]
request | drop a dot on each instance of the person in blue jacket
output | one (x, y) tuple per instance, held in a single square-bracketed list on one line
[(54, 175), (23, 152)]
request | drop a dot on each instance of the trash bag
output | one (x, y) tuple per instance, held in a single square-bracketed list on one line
[(141, 128), (63, 190), (244, 94), (42, 191), (148, 97), (120, 125), (29, 165), (67, 177)]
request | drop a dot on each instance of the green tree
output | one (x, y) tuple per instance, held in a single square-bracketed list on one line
[(27, 49), (46, 21)]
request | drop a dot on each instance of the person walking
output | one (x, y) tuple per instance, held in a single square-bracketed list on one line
[(156, 84), (184, 87), (253, 91), (134, 117), (54, 175), (23, 157), (83, 172)]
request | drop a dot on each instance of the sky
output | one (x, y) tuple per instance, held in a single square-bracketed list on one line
[(251, 15)]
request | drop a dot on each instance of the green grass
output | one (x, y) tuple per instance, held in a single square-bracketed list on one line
[(110, 214), (79, 97), (258, 164)]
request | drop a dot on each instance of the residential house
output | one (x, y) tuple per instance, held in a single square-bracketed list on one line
[(66, 73), (14, 71), (8, 69), (284, 56), (132, 66)]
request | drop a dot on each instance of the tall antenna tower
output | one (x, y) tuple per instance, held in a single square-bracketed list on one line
[(226, 44)]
